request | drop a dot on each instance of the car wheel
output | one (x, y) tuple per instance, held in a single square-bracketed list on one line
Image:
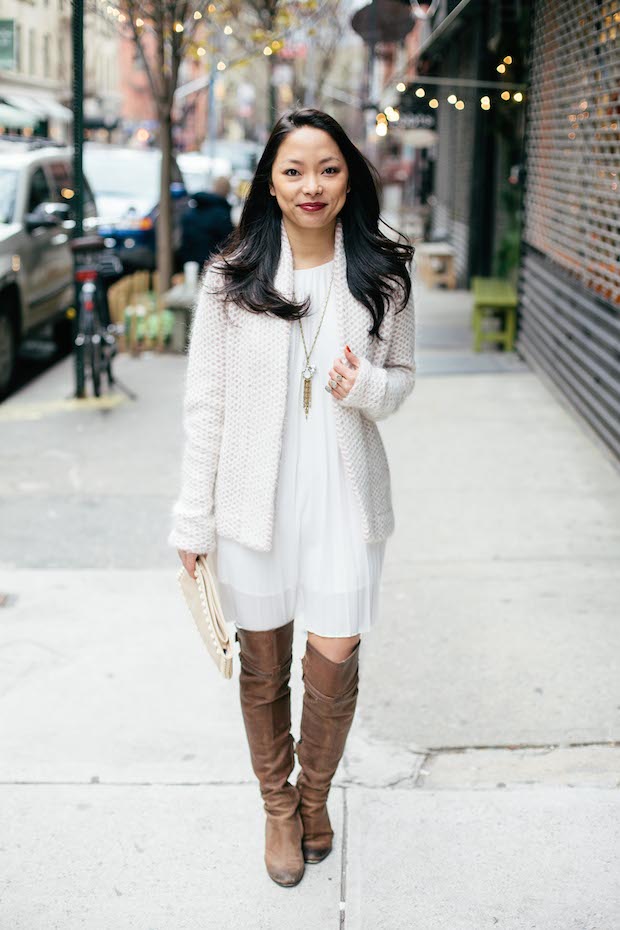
[(8, 353)]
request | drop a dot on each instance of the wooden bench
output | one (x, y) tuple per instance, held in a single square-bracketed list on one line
[(494, 297)]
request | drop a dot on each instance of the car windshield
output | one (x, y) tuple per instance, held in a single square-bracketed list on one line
[(124, 173), (8, 190)]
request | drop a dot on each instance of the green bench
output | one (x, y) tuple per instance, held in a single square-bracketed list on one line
[(494, 297)]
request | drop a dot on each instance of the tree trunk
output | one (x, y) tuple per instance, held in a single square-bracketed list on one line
[(164, 222)]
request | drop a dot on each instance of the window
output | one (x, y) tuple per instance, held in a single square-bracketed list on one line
[(39, 190), (18, 47), (47, 62), (32, 38)]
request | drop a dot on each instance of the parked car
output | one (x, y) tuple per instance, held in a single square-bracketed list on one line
[(127, 186), (36, 264), (199, 171)]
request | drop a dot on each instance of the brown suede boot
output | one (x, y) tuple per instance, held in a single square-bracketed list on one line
[(265, 659), (330, 698)]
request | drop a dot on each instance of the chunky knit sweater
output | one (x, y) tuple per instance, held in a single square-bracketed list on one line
[(234, 406)]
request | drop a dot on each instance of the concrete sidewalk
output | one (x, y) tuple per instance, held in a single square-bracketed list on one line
[(479, 787)]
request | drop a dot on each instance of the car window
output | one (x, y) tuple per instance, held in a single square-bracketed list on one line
[(39, 190), (8, 192), (64, 190)]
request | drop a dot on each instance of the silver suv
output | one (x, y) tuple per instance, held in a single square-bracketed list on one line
[(36, 266)]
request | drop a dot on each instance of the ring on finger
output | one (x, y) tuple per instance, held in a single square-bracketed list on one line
[(333, 383), (338, 376)]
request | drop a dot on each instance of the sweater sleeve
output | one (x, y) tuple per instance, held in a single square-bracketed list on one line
[(379, 391), (193, 519)]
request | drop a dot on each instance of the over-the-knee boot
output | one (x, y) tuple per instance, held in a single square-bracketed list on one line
[(330, 698), (265, 660)]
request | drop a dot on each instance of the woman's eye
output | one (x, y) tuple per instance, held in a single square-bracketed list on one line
[(329, 168)]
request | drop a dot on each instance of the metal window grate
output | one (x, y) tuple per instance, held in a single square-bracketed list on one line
[(573, 180)]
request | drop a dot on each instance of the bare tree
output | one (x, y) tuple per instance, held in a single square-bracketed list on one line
[(164, 31)]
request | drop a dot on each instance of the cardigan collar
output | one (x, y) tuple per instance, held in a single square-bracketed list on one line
[(285, 283)]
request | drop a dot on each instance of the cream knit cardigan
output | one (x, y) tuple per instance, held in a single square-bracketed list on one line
[(235, 401)]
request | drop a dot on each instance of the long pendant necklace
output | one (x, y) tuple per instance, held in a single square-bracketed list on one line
[(309, 370)]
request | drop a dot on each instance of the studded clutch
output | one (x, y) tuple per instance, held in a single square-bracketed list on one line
[(202, 598)]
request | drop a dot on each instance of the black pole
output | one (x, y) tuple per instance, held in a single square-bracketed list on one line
[(78, 113), (77, 30)]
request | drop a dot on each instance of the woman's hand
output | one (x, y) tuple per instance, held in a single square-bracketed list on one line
[(189, 561), (347, 368)]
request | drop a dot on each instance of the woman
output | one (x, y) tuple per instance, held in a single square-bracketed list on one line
[(287, 485)]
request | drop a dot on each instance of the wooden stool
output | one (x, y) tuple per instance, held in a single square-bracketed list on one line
[(436, 263), (494, 297)]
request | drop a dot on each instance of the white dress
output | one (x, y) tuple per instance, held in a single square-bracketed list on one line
[(320, 571)]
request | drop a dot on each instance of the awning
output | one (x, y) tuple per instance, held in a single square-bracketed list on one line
[(13, 118), (42, 106)]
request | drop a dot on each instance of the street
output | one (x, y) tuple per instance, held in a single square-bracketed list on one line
[(479, 785)]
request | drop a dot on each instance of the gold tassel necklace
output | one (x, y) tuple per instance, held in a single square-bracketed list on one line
[(309, 370)]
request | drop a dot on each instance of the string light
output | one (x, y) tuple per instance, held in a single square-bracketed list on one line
[(501, 68), (400, 87), (518, 96), (434, 103), (459, 105), (228, 30), (221, 65), (452, 98), (420, 92), (506, 95), (485, 103), (267, 50), (381, 129), (508, 60), (197, 14)]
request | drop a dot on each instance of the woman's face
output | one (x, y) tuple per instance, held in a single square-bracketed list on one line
[(309, 168)]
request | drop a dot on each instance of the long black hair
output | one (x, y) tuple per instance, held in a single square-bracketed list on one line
[(376, 265)]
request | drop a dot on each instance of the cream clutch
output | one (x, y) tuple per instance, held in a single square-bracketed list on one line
[(204, 603)]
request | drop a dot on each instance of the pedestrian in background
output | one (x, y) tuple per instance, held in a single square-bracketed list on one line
[(206, 223), (303, 337)]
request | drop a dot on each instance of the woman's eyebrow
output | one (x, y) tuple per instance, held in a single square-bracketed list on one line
[(296, 161)]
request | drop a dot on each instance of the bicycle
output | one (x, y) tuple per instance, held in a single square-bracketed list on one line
[(95, 341)]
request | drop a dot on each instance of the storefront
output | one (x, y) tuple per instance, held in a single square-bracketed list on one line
[(570, 272)]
